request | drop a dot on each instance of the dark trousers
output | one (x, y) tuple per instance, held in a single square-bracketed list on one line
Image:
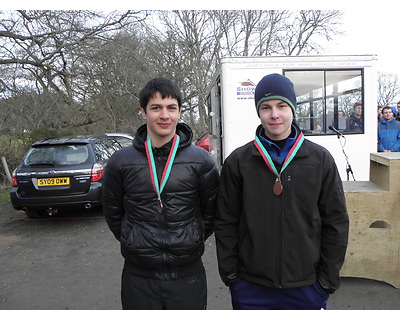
[(252, 296), (140, 293)]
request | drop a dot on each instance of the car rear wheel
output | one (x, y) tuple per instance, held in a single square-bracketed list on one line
[(35, 214)]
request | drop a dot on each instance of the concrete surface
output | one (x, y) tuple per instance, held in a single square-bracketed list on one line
[(72, 262)]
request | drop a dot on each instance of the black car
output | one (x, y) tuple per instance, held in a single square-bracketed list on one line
[(63, 172)]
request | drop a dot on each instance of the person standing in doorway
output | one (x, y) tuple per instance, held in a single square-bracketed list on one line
[(282, 223), (159, 200)]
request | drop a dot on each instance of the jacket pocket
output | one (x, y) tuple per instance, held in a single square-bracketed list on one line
[(320, 291)]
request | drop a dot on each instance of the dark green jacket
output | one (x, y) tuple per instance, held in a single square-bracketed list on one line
[(284, 241)]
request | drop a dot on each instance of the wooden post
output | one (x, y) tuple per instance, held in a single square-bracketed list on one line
[(8, 174)]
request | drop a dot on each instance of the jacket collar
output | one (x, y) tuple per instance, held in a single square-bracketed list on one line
[(272, 148), (182, 129), (387, 122)]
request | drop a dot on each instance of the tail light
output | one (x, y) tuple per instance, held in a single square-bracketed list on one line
[(14, 179), (204, 142), (97, 172)]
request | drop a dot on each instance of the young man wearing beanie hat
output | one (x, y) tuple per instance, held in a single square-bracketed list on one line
[(282, 224)]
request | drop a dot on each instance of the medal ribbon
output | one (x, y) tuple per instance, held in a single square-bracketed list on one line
[(268, 160), (152, 166)]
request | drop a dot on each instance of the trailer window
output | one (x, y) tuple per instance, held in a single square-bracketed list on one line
[(328, 98)]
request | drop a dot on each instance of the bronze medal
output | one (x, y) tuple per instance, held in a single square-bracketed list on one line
[(278, 188)]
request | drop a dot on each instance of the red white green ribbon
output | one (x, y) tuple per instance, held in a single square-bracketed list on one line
[(268, 160), (158, 188)]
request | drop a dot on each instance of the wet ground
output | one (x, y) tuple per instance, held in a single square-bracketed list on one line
[(72, 262)]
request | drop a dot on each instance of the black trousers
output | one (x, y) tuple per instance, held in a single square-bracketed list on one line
[(140, 293)]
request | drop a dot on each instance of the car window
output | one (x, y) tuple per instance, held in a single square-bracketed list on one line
[(105, 148), (56, 155), (124, 142)]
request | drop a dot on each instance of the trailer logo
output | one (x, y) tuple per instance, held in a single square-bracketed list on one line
[(245, 90)]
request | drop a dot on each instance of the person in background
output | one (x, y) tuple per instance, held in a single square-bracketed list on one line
[(159, 200), (341, 123), (282, 223), (356, 119), (398, 111), (379, 113), (388, 132)]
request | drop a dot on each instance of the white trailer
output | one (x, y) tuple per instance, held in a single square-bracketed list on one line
[(325, 86)]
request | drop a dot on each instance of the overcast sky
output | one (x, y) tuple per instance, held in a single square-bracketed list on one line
[(371, 31)]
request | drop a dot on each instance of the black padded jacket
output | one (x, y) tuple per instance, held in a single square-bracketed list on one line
[(167, 244)]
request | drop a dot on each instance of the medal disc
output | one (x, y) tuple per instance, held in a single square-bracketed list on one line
[(278, 188)]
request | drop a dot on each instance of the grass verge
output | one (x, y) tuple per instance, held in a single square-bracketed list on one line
[(4, 195)]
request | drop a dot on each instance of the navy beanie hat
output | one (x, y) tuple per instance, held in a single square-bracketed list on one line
[(275, 86)]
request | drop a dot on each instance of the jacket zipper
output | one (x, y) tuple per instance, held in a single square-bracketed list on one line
[(280, 228), (160, 164), (283, 199), (280, 262)]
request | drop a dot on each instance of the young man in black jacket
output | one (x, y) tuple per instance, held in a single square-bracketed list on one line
[(282, 224), (159, 200)]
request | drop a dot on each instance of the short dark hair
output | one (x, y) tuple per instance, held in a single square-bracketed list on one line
[(165, 87), (386, 108)]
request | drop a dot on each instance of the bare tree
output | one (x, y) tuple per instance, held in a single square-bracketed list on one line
[(388, 89), (44, 87), (80, 71), (203, 37), (46, 57), (79, 55), (48, 46), (116, 72), (306, 29), (186, 46)]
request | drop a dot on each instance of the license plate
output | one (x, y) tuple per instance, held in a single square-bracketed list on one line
[(48, 182)]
